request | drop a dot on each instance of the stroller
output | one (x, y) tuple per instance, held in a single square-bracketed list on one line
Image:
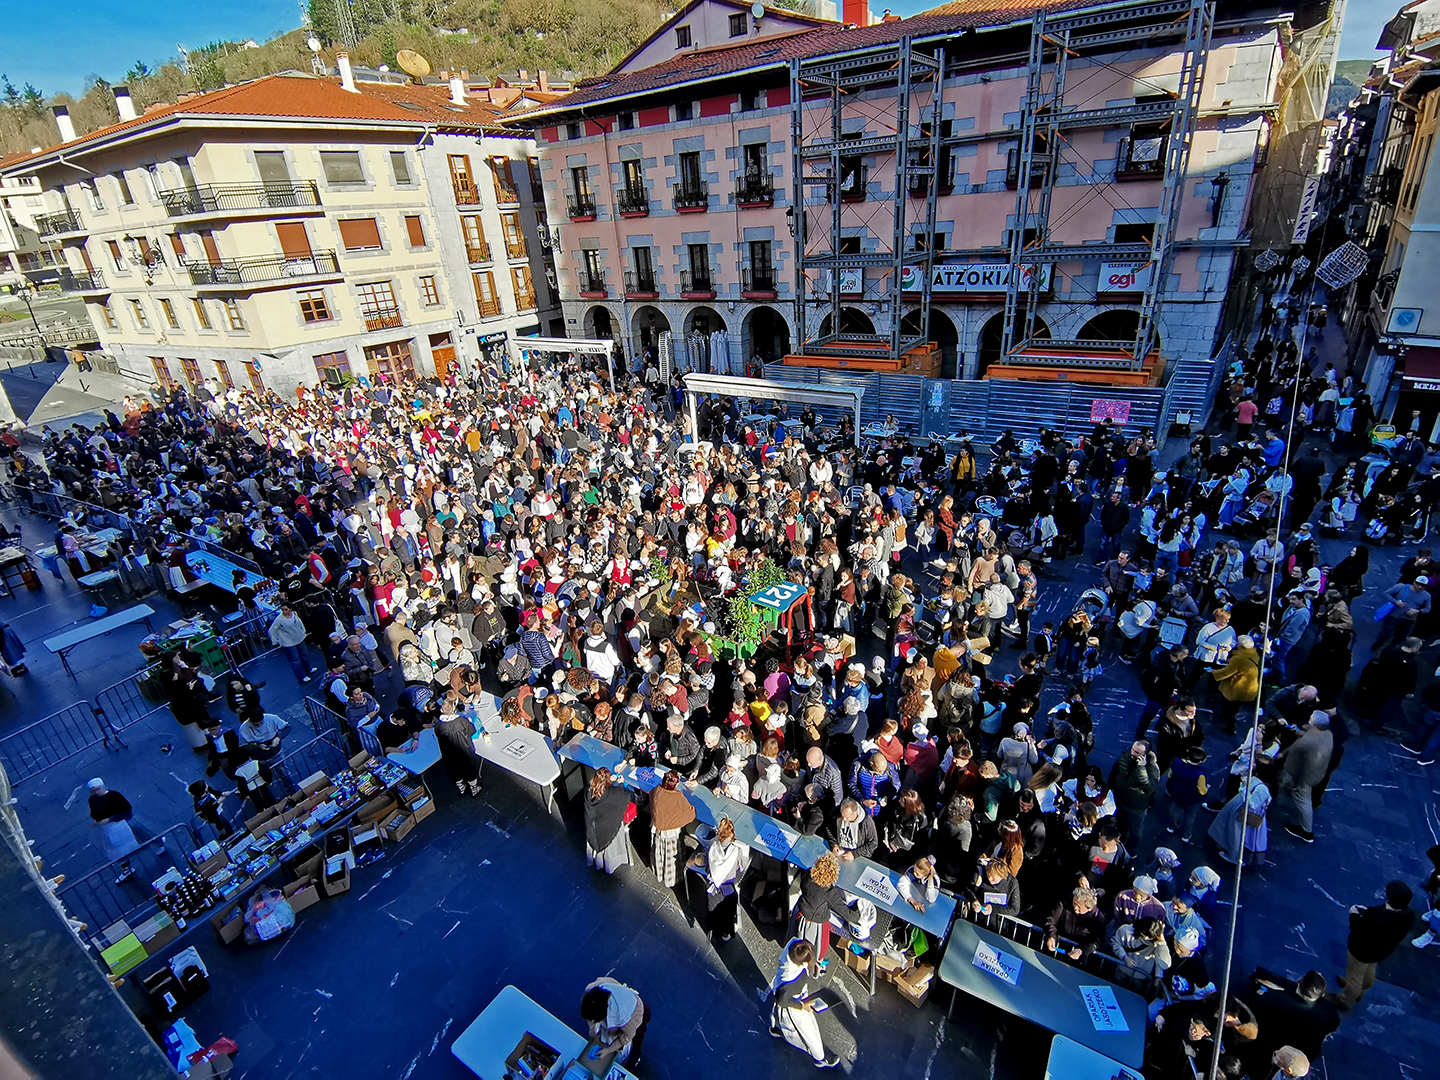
[(1095, 603)]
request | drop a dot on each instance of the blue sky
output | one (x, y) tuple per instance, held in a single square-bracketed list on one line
[(106, 37), (55, 46)]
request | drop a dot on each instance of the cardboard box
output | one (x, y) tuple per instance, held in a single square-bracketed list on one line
[(336, 882), (310, 868), (360, 760), (252, 823), (859, 964), (216, 1068), (156, 932), (125, 955), (541, 1055), (914, 985), (396, 825), (214, 864), (314, 782), (229, 921), (302, 894), (888, 967), (424, 810), (112, 934), (376, 808)]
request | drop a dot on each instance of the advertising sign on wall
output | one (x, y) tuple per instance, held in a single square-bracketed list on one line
[(956, 278), (1125, 277)]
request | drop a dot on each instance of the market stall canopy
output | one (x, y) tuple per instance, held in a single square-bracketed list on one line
[(844, 397)]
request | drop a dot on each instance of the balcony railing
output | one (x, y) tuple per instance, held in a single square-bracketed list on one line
[(525, 299), (490, 308), (582, 206), (592, 283), (761, 281), (477, 252), (692, 196), (754, 191), (515, 247), (696, 283), (224, 198), (466, 193), (505, 195), (62, 222), (758, 281), (81, 281), (381, 318), (632, 201), (267, 268), (640, 284), (1140, 159)]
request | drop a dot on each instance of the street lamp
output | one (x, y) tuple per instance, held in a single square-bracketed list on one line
[(25, 291)]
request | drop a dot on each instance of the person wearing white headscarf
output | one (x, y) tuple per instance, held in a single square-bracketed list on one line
[(792, 1017)]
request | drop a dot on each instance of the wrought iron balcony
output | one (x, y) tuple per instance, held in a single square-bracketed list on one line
[(65, 221), (582, 206), (490, 308), (381, 318), (592, 283), (696, 283), (265, 269), (692, 196), (754, 191), (515, 247), (81, 281), (466, 193), (505, 194), (228, 198), (640, 284), (525, 299), (759, 282), (477, 251), (632, 201)]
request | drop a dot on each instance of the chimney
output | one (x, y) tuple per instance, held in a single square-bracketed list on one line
[(36, 149), (542, 80), (123, 105), (465, 76), (64, 123), (524, 76), (347, 77), (856, 12), (457, 90)]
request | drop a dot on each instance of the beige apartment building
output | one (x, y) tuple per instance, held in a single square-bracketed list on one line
[(296, 229)]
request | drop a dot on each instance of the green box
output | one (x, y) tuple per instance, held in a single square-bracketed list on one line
[(124, 955)]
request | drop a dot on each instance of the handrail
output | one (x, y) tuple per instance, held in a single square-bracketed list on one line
[(264, 268), (62, 221), (36, 747), (217, 198)]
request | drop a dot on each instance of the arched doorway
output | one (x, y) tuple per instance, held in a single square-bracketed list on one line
[(852, 321), (646, 326), (992, 340), (941, 331), (1117, 324), (700, 323), (764, 334), (598, 324)]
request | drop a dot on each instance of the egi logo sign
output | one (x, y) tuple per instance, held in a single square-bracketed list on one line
[(1125, 277), (975, 277)]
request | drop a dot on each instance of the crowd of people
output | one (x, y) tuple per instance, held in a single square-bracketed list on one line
[(540, 532)]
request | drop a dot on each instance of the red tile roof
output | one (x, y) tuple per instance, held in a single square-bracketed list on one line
[(308, 97), (832, 38)]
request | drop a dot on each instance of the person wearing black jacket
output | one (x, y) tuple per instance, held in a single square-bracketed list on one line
[(1375, 932), (1114, 520), (1081, 921), (607, 844), (852, 832), (1159, 682)]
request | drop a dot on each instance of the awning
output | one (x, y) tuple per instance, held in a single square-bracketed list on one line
[(767, 389), (1422, 368), (595, 346)]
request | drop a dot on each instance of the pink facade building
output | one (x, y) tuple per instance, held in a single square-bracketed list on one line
[(684, 203)]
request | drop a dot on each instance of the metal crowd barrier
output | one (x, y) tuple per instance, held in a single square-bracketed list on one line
[(56, 738), (327, 721), (320, 754), (96, 898), (1100, 964)]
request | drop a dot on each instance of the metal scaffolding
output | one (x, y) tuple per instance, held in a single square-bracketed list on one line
[(879, 124), (1055, 43)]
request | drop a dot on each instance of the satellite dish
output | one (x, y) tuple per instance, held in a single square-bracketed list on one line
[(757, 10), (412, 63), (313, 44)]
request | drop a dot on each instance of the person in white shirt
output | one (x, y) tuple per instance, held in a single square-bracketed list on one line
[(724, 864), (1215, 640), (920, 885)]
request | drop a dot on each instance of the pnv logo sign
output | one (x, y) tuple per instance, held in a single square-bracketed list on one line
[(1125, 277)]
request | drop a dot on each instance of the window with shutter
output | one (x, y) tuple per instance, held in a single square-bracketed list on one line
[(342, 166), (415, 230), (360, 234), (294, 240)]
